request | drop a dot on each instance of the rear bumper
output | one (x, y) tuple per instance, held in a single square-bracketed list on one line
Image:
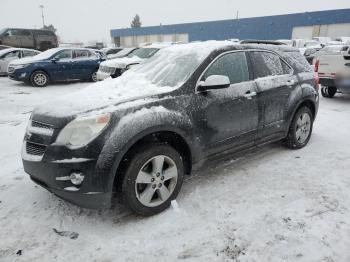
[(327, 81)]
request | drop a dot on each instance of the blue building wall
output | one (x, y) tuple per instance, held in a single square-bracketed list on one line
[(268, 27)]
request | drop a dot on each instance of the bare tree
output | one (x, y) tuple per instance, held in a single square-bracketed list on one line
[(136, 22)]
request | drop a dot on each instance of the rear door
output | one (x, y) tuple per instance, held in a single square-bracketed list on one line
[(84, 63), (228, 117), (275, 82)]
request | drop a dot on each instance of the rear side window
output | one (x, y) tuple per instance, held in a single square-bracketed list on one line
[(233, 65), (81, 54), (44, 33), (29, 53), (267, 64), (297, 61)]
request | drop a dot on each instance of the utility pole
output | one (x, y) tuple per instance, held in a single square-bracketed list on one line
[(237, 15), (42, 14)]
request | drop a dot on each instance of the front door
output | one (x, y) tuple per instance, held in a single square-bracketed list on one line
[(60, 68), (228, 117)]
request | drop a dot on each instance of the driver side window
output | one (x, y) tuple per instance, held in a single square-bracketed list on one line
[(233, 65), (64, 55)]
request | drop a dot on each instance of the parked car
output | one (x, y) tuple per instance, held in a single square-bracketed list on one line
[(333, 72), (28, 38), (123, 53), (327, 50), (139, 135), (310, 53), (57, 64), (116, 67), (111, 50), (11, 54)]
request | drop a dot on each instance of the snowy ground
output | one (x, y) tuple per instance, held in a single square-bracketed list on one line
[(272, 204)]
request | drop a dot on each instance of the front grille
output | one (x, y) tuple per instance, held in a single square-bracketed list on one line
[(41, 125), (10, 69), (35, 149), (107, 70)]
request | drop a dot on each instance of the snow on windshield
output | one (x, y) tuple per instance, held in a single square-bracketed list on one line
[(143, 52), (47, 54), (165, 72), (172, 66)]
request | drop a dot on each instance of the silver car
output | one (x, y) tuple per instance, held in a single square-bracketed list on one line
[(9, 54)]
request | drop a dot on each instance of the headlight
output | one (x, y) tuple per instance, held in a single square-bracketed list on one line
[(82, 130), (128, 67), (18, 66)]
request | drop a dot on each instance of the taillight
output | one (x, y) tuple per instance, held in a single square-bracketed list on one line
[(317, 80), (316, 65)]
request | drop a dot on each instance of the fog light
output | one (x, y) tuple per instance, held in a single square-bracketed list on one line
[(76, 178)]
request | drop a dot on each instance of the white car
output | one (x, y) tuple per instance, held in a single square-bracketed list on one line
[(334, 72), (9, 54), (116, 67)]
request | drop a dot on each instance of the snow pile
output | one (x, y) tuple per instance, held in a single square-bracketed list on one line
[(163, 73)]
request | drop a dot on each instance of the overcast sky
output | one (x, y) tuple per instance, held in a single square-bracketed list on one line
[(88, 20)]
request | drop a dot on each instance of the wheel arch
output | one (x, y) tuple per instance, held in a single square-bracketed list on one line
[(172, 138)]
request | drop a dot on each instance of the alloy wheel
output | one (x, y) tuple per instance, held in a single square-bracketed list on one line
[(303, 128), (40, 79), (156, 181)]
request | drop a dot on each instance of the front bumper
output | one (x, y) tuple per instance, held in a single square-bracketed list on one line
[(19, 75), (51, 166), (88, 195), (102, 75)]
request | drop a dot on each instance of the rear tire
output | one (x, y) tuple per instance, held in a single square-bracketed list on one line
[(328, 91), (152, 179), (301, 129), (39, 79)]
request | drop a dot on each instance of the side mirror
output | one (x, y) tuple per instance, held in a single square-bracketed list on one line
[(55, 59), (214, 82)]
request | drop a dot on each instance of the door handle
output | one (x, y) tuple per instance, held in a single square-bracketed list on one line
[(249, 94), (290, 83)]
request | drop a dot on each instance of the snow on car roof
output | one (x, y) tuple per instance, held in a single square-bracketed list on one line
[(7, 50)]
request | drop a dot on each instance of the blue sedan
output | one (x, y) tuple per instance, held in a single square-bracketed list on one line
[(57, 64)]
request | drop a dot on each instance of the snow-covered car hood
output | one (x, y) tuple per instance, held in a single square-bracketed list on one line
[(24, 61), (102, 96), (122, 62)]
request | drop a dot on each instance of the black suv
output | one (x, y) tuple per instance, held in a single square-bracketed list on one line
[(136, 136)]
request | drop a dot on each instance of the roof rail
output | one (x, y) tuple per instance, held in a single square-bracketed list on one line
[(263, 42)]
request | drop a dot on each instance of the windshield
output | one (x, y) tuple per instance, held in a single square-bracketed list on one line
[(47, 54), (143, 52), (172, 66)]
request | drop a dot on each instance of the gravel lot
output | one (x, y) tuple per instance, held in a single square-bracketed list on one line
[(272, 204)]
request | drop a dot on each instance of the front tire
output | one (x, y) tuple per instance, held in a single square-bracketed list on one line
[(153, 179), (328, 91), (93, 77), (39, 79), (301, 129)]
